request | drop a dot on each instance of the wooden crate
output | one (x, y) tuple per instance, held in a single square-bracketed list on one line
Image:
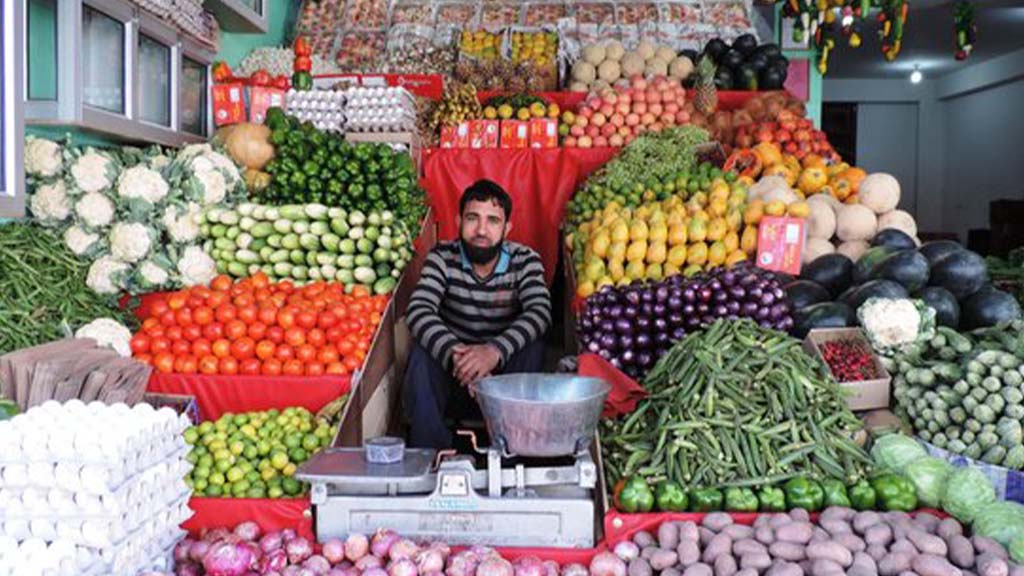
[(864, 394)]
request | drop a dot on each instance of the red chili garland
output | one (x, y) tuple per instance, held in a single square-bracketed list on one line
[(849, 360)]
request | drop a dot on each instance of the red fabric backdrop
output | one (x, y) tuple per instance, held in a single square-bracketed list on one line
[(270, 514), (216, 395), (541, 183), (625, 392)]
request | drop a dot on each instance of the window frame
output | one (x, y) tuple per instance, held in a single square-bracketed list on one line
[(12, 186)]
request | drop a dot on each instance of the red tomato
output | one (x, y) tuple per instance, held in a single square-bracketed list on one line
[(144, 358), (243, 300), (177, 301), (335, 368), (216, 300), (243, 348), (175, 332), (286, 318), (267, 315), (295, 337), (159, 345), (249, 367), (221, 283), (150, 324), (275, 334), (208, 365), (164, 362), (158, 307), (183, 317), (314, 369), (181, 348), (257, 330), (306, 353), (202, 315), (167, 318), (305, 320), (326, 320), (213, 331), (227, 365), (271, 367), (221, 348), (316, 337), (140, 343), (201, 347), (192, 332), (194, 302), (265, 349), (293, 368), (351, 363), (328, 354), (248, 314), (284, 352), (260, 280), (346, 346), (186, 365), (225, 313), (235, 329)]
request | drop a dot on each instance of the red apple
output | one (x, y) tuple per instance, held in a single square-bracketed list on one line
[(586, 111), (582, 121), (598, 119), (593, 131), (657, 127), (632, 119), (616, 140), (623, 108), (607, 110), (625, 131), (600, 142), (577, 130), (671, 107), (585, 142), (682, 117), (640, 107), (569, 142), (608, 130), (639, 97), (653, 96), (668, 119), (647, 119), (618, 119), (638, 82), (655, 109)]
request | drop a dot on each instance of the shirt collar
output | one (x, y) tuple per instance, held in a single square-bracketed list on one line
[(504, 259)]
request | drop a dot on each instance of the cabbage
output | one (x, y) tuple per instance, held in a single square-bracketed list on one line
[(966, 492), (1017, 550), (929, 476), (1001, 521), (895, 451)]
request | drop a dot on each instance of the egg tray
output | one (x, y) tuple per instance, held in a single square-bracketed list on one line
[(162, 560), (120, 461), (121, 511)]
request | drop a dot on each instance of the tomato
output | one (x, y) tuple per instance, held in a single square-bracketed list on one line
[(216, 299), (225, 313), (248, 314), (181, 348), (243, 348), (192, 332), (285, 318), (334, 334), (235, 329), (227, 365), (194, 302), (202, 315), (293, 368), (306, 353), (157, 308), (328, 354), (167, 318), (183, 316), (316, 337), (314, 369), (221, 283), (175, 332), (265, 349), (257, 330), (284, 352), (139, 343), (243, 300), (346, 346), (305, 320), (159, 345), (177, 301), (150, 324), (267, 315), (213, 331), (249, 367), (201, 347), (326, 320), (144, 358), (186, 365), (275, 334), (335, 368), (295, 337), (351, 363), (208, 364), (221, 348), (163, 362), (271, 367), (360, 291)]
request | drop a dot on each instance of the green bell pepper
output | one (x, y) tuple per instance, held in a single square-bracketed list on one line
[(671, 497), (835, 493), (863, 496), (804, 493), (740, 500), (772, 499), (634, 495), (302, 81), (706, 500), (895, 492)]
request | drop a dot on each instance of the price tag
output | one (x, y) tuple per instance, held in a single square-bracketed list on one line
[(780, 242)]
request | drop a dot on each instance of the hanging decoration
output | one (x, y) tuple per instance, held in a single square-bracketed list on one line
[(964, 28), (892, 18)]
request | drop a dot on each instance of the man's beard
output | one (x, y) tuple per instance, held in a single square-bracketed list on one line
[(479, 254)]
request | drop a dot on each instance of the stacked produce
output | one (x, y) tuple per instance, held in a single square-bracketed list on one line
[(850, 360), (736, 405), (519, 107), (794, 134), (309, 243), (501, 74), (254, 454), (91, 489), (615, 116), (725, 125), (325, 109), (634, 326), (539, 51), (132, 215), (380, 109), (744, 65), (313, 166), (34, 261), (603, 64), (255, 327), (458, 104)]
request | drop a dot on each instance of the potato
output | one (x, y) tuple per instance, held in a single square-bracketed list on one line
[(757, 561), (725, 565), (639, 567), (961, 552), (949, 528), (762, 520), (738, 531), (688, 552), (765, 535), (779, 520), (903, 545), (991, 565), (984, 545), (699, 570), (798, 532), (856, 570), (878, 535), (895, 562), (643, 539), (705, 535), (663, 559), (800, 515), (877, 552), (788, 551), (838, 513), (864, 520), (720, 544), (1014, 571), (909, 573), (864, 560), (851, 542), (829, 550), (783, 568), (748, 546), (647, 553), (671, 572), (932, 565), (747, 572), (820, 535), (823, 567), (668, 536), (927, 543), (835, 527), (927, 522), (716, 521), (688, 531)]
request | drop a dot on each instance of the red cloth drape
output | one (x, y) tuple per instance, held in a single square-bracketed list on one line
[(625, 392), (541, 183), (270, 514), (216, 395)]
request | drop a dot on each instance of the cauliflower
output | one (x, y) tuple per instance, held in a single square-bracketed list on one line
[(151, 276), (182, 227), (227, 166), (95, 209), (214, 188), (159, 162), (196, 267), (50, 203), (91, 171), (108, 333), (107, 275), (130, 242), (193, 150), (42, 157), (894, 322), (79, 241), (144, 183)]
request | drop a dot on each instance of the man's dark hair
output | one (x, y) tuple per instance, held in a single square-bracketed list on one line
[(486, 191)]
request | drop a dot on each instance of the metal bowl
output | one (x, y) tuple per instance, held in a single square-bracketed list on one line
[(541, 415)]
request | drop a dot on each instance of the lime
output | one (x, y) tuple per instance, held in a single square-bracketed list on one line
[(235, 474), (268, 473), (255, 492), (216, 479), (263, 447), (200, 484), (279, 460), (251, 452), (248, 430), (293, 440), (310, 442), (205, 460), (201, 472), (240, 420), (191, 435), (264, 464), (246, 466), (252, 477), (214, 491), (297, 455), (192, 457), (291, 486), (205, 427), (222, 465), (222, 454), (290, 469), (273, 412), (221, 425), (275, 492), (275, 481), (239, 488), (216, 445)]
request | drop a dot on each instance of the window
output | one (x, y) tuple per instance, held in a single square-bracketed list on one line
[(12, 133), (103, 61), (42, 49), (193, 97), (154, 81)]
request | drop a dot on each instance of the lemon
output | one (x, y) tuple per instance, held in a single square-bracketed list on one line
[(635, 270), (505, 111), (658, 232), (637, 250), (594, 270), (698, 230), (617, 252)]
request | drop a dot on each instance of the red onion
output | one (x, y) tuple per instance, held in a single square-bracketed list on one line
[(441, 547), (343, 565), (216, 534), (377, 571), (187, 569), (248, 531), (496, 566), (298, 549), (529, 566), (627, 550), (356, 546), (575, 570), (288, 534), (382, 542), (462, 564), (607, 564), (434, 574), (318, 564), (402, 567), (429, 560), (550, 568), (348, 571), (271, 541), (404, 549), (198, 550), (483, 552), (226, 559), (333, 550), (273, 560), (367, 562), (181, 550)]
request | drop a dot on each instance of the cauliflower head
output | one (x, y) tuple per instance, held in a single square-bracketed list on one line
[(196, 267), (91, 171), (130, 241), (182, 225), (151, 276), (42, 157), (50, 203), (214, 187), (107, 275), (95, 210), (142, 183), (80, 241), (108, 333), (891, 323)]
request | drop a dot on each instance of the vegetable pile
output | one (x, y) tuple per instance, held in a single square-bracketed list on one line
[(254, 454), (311, 166), (309, 243), (736, 405), (634, 326), (43, 293), (841, 541), (253, 326)]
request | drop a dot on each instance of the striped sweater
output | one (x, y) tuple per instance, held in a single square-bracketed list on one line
[(451, 305)]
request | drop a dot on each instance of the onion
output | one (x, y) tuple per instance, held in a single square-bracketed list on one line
[(575, 569), (382, 542), (288, 534), (198, 550), (627, 550), (333, 550), (187, 569), (356, 546), (273, 560), (376, 571), (367, 562), (404, 549), (216, 534), (434, 574), (497, 566), (271, 541), (462, 564), (607, 564), (298, 549), (227, 559), (429, 560), (181, 550), (529, 566), (550, 568), (402, 567), (318, 564), (248, 531)]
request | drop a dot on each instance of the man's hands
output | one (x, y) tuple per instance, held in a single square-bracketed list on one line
[(473, 362)]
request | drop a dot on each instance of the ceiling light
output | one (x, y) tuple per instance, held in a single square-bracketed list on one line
[(916, 76)]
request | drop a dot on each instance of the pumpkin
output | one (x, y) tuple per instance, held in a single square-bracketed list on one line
[(255, 180), (248, 144), (880, 192)]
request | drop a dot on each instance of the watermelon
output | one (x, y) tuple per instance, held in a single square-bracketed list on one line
[(962, 273), (988, 307), (865, 267), (881, 288), (895, 239), (833, 272), (907, 267), (947, 311), (934, 251), (823, 315), (803, 293)]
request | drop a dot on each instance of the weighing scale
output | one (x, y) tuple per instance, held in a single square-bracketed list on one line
[(535, 487)]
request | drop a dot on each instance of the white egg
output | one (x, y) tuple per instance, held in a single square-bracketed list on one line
[(88, 503), (69, 530), (43, 529), (17, 529)]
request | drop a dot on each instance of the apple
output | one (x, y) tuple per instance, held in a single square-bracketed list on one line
[(598, 119), (600, 142), (632, 119), (655, 109), (594, 102), (682, 117), (638, 82), (586, 111), (653, 96), (582, 121), (585, 142), (639, 97), (577, 131), (623, 108), (668, 119), (618, 119), (569, 142), (671, 107), (608, 129), (593, 131), (657, 127), (647, 119), (607, 110), (611, 98), (616, 140), (640, 107), (625, 131)]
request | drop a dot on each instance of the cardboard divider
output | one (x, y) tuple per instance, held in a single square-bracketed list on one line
[(865, 394)]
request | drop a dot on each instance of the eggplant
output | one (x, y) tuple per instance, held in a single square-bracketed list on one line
[(745, 44), (715, 48), (724, 79)]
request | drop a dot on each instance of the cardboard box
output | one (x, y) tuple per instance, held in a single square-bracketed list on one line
[(780, 241), (864, 394), (483, 134), (228, 104), (181, 404), (261, 98), (515, 134), (462, 135), (543, 133), (447, 136)]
